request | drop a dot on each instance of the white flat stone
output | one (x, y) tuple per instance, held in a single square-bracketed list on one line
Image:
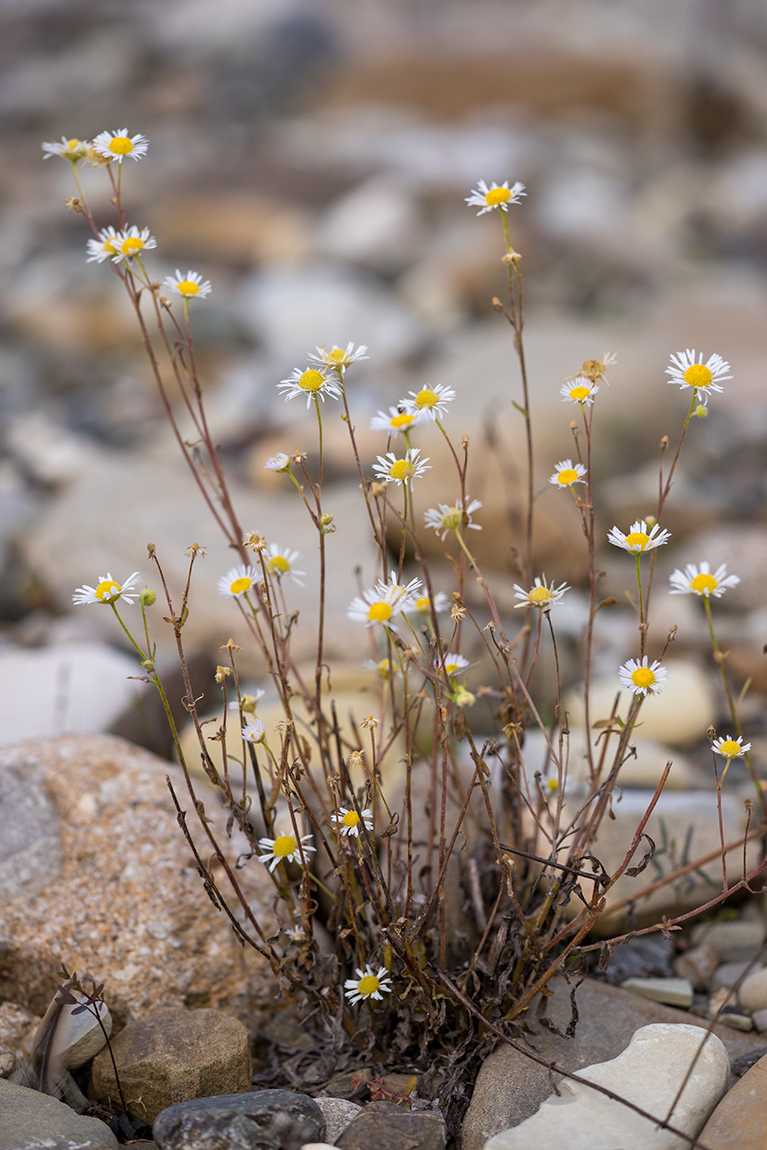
[(648, 1073), (672, 991)]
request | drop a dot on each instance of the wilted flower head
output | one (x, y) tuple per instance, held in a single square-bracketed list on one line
[(278, 462), (445, 519)]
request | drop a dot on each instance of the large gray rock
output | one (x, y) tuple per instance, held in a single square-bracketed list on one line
[(30, 1120), (30, 842), (264, 1120), (390, 1127)]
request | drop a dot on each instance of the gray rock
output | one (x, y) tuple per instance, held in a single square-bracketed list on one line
[(30, 842), (737, 941), (174, 1056), (338, 1113), (392, 1127), (728, 973), (31, 1120), (267, 1120), (672, 991), (697, 965)]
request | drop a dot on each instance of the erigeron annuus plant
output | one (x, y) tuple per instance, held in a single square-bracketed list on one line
[(315, 804)]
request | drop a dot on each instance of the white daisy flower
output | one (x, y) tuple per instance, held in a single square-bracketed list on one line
[(107, 590), (639, 537), (396, 421), (73, 150), (119, 145), (580, 389), (131, 242), (190, 286), (731, 748), (237, 581), (280, 562), (698, 580), (424, 605), (310, 383), (278, 462), (384, 668), (248, 703), (389, 469), (641, 678), (567, 473), (367, 984), (283, 849), (445, 519), (253, 731), (452, 664), (432, 401), (688, 370), (381, 603), (543, 595), (105, 247), (498, 196), (347, 822), (338, 358)]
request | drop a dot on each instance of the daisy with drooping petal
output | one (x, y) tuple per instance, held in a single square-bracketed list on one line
[(131, 242), (639, 538), (107, 590), (698, 580), (389, 469), (380, 604), (237, 581), (445, 519), (280, 562), (384, 668), (498, 196), (543, 595), (580, 389), (105, 247), (253, 731), (338, 358), (311, 383), (396, 421), (452, 664), (567, 473), (248, 703), (73, 150), (119, 145), (424, 605), (348, 823), (367, 984), (278, 462), (283, 849), (432, 401), (190, 286), (642, 678), (731, 748), (688, 370)]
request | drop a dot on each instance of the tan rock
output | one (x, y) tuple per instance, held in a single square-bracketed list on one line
[(738, 1121)]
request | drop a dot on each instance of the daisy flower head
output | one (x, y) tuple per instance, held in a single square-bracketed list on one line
[(253, 731), (119, 145), (579, 389), (248, 703), (698, 580), (567, 473), (348, 823), (390, 469), (312, 383), (640, 537), (131, 242), (190, 286), (107, 590), (384, 668), (452, 664), (445, 519), (278, 462), (73, 150), (338, 358), (283, 849), (381, 603), (424, 605), (396, 421), (367, 984), (498, 196), (643, 678), (279, 562), (237, 581), (542, 595), (431, 401), (105, 247), (688, 370), (731, 748)]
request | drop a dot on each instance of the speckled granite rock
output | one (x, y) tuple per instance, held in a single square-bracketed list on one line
[(31, 1120)]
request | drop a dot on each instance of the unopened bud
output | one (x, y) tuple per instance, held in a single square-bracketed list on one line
[(148, 598)]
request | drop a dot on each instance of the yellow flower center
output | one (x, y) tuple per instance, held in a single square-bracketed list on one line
[(730, 748), (426, 398), (284, 845), (350, 819), (569, 475), (132, 246), (698, 375), (110, 248), (423, 604), (401, 469), (403, 420), (73, 145), (379, 612), (121, 146), (643, 677), (186, 287), (108, 590), (539, 596), (637, 539), (451, 668), (278, 565), (704, 584), (580, 393), (241, 584), (311, 379), (497, 196), (383, 668), (368, 984), (452, 519), (337, 355)]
